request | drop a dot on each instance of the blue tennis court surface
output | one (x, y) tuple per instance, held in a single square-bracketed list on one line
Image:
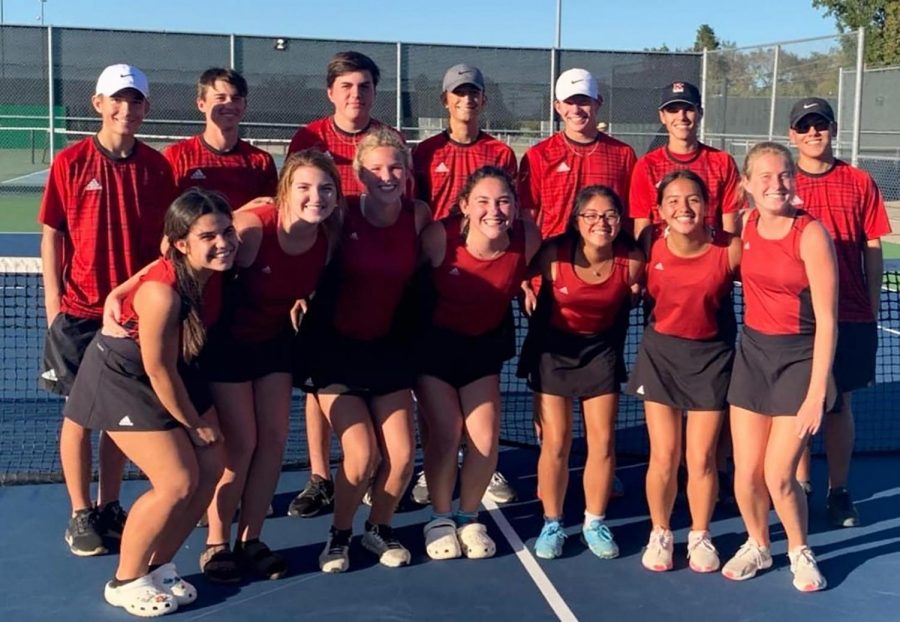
[(43, 581)]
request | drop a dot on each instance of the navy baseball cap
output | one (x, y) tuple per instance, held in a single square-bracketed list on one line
[(680, 92), (811, 105)]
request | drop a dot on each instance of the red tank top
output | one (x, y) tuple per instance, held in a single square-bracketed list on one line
[(377, 263), (587, 308), (267, 289), (776, 289), (163, 271), (687, 293), (473, 295)]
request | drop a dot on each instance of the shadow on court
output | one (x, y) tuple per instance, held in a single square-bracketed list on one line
[(42, 580)]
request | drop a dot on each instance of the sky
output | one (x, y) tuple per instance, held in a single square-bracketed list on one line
[(586, 24)]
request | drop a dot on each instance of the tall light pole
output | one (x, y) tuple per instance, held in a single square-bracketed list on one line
[(558, 24)]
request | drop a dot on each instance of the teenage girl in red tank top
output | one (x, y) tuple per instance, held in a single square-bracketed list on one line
[(361, 373), (571, 353), (781, 383), (478, 260), (684, 363), (284, 249)]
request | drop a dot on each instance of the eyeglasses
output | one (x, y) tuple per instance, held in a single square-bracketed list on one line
[(592, 218), (821, 124)]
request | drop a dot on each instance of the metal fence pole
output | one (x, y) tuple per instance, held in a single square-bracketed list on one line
[(840, 112), (51, 132), (399, 86), (554, 60), (857, 96), (231, 54), (703, 77), (774, 92)]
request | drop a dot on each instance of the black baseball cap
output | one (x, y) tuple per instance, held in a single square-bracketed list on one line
[(680, 92), (811, 105)]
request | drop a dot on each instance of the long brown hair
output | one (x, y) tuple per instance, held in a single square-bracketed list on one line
[(315, 159), (180, 217)]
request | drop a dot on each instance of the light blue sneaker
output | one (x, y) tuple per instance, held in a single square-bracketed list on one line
[(549, 544), (599, 539)]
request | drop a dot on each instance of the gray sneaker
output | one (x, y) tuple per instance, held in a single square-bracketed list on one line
[(499, 490), (83, 533), (419, 493)]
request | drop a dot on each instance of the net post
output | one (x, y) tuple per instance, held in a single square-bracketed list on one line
[(51, 131), (774, 92), (399, 102), (704, 76), (857, 96)]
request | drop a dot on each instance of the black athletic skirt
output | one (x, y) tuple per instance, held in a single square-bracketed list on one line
[(341, 365), (771, 373), (557, 362), (228, 360), (113, 392), (686, 374), (459, 359)]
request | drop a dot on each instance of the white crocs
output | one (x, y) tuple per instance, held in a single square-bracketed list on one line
[(441, 541), (167, 579), (141, 598), (475, 542)]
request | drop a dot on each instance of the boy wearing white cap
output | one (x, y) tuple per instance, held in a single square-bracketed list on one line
[(443, 162), (102, 215), (554, 170)]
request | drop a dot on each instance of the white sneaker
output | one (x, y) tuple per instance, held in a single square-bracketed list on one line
[(750, 559), (335, 557), (807, 577), (499, 490), (475, 542), (419, 493), (167, 579), (381, 542), (658, 554), (701, 553), (141, 598)]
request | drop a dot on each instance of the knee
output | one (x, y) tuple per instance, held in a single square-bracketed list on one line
[(179, 487), (780, 485), (273, 436), (664, 462), (444, 440), (701, 463), (360, 464), (239, 448)]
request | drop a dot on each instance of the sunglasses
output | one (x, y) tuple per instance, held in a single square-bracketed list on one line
[(819, 123)]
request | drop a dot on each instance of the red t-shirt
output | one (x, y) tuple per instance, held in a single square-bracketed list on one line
[(554, 170), (376, 264), (111, 212), (324, 135), (442, 166), (473, 295), (777, 300), (587, 308), (715, 167), (241, 174), (163, 272), (267, 289), (848, 203), (687, 293)]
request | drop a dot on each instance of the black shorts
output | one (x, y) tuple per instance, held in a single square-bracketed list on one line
[(771, 373), (112, 390), (854, 356), (64, 345), (459, 359), (687, 374), (228, 360), (345, 366), (557, 362)]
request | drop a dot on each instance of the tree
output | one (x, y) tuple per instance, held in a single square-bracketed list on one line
[(706, 39), (880, 18)]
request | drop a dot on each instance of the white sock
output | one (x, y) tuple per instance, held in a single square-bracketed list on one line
[(589, 518)]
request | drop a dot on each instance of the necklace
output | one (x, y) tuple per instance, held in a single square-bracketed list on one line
[(571, 144)]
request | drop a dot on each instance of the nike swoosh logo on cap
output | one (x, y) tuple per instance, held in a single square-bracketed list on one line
[(578, 80), (462, 73), (808, 106)]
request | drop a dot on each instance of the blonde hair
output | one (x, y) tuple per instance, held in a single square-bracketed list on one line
[(767, 147), (299, 159), (381, 137)]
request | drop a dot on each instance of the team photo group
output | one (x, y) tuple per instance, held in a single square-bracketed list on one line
[(188, 293)]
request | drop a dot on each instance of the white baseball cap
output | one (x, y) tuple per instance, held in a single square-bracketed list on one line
[(119, 77), (576, 82)]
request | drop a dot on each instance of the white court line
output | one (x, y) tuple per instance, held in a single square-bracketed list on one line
[(890, 330), (232, 603), (9, 181), (548, 590)]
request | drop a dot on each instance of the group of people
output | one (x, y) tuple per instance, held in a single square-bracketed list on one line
[(381, 282)]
